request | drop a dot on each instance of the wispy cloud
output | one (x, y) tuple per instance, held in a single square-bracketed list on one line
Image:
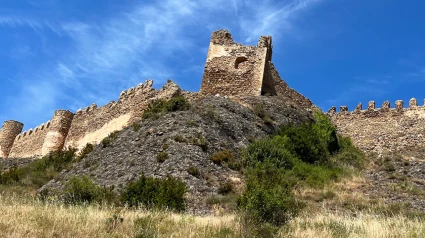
[(14, 21), (158, 40)]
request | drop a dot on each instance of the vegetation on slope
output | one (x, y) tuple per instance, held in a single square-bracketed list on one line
[(282, 173), (304, 155)]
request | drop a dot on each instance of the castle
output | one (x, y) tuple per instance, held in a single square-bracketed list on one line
[(231, 69), (382, 129)]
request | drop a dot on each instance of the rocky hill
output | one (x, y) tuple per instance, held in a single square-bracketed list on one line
[(178, 142)]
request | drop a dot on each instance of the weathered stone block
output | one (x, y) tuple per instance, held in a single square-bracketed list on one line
[(371, 106), (385, 106), (399, 105), (413, 103), (359, 107)]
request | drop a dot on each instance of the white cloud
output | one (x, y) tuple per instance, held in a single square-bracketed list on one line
[(148, 41)]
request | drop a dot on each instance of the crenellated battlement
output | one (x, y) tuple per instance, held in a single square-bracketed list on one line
[(385, 108), (88, 125), (389, 127), (39, 129), (231, 69)]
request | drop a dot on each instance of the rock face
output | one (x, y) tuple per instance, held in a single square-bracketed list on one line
[(224, 124), (383, 129)]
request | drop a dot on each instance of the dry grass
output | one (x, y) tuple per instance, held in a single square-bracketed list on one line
[(338, 210), (329, 224), (33, 218)]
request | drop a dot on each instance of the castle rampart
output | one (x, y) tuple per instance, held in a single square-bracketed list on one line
[(231, 70), (384, 128), (29, 143), (55, 137), (8, 133), (88, 125)]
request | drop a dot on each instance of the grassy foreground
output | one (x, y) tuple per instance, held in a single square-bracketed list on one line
[(33, 218)]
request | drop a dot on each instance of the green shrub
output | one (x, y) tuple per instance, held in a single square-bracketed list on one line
[(107, 141), (161, 156), (225, 188), (160, 107), (156, 193), (261, 113), (268, 197), (348, 154), (85, 151), (83, 190), (273, 150), (312, 142), (136, 126), (222, 156), (194, 171), (203, 143), (180, 139), (39, 172)]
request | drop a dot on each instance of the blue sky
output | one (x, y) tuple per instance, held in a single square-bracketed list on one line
[(63, 54)]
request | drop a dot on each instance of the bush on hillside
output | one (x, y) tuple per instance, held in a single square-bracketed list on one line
[(84, 190), (39, 172), (272, 150), (158, 193), (160, 107), (268, 198), (348, 154)]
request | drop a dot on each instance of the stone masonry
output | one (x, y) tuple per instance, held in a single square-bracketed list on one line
[(231, 70), (382, 129)]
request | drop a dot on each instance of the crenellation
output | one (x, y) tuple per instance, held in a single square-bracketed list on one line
[(359, 107), (231, 69), (399, 105), (371, 106), (123, 96), (343, 109), (385, 106), (92, 107), (413, 103), (130, 91), (382, 129)]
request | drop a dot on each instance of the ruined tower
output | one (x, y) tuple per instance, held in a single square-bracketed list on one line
[(8, 133), (233, 69), (60, 125)]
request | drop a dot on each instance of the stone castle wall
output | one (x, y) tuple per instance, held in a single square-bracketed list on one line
[(231, 70), (89, 125), (30, 143), (382, 129), (92, 124)]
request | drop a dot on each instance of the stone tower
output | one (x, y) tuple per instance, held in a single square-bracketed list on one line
[(8, 133), (233, 69), (60, 125)]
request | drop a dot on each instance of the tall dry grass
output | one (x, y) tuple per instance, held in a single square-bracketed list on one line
[(32, 218)]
